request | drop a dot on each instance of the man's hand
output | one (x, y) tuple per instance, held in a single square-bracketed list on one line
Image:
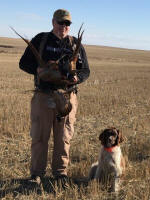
[(72, 81)]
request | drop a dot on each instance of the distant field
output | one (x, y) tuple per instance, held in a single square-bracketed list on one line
[(116, 94)]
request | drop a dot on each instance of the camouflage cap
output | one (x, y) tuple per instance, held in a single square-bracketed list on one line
[(61, 15)]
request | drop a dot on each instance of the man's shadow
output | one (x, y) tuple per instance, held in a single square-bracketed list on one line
[(27, 187)]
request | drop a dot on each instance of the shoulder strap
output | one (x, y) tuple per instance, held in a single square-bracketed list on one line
[(72, 42), (42, 44)]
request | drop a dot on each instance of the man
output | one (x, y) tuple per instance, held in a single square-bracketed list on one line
[(56, 44)]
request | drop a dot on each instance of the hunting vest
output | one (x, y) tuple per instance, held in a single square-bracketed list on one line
[(41, 48)]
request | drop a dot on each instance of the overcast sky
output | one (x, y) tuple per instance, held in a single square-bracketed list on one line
[(118, 23)]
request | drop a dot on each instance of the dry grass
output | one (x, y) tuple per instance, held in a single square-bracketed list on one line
[(116, 94)]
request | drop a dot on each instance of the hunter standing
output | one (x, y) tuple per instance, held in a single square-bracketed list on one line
[(55, 47)]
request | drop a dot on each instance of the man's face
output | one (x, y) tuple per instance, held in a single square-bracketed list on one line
[(61, 30)]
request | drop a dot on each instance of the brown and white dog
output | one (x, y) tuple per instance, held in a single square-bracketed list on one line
[(111, 163)]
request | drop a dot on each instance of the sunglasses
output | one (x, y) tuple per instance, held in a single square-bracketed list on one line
[(66, 23)]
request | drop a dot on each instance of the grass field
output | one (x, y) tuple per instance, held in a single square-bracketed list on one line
[(116, 94)]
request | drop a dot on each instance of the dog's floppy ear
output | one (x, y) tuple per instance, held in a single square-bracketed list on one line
[(101, 136), (120, 138)]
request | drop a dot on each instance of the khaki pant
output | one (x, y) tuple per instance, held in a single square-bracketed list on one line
[(43, 120)]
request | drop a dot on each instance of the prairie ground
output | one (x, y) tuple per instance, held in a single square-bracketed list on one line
[(116, 94)]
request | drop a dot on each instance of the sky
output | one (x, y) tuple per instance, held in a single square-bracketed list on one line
[(116, 23)]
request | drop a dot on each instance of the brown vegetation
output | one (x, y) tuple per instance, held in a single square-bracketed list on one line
[(116, 94)]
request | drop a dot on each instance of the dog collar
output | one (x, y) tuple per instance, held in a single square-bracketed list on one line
[(109, 149)]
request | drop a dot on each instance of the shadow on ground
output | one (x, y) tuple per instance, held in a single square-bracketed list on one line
[(27, 187)]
